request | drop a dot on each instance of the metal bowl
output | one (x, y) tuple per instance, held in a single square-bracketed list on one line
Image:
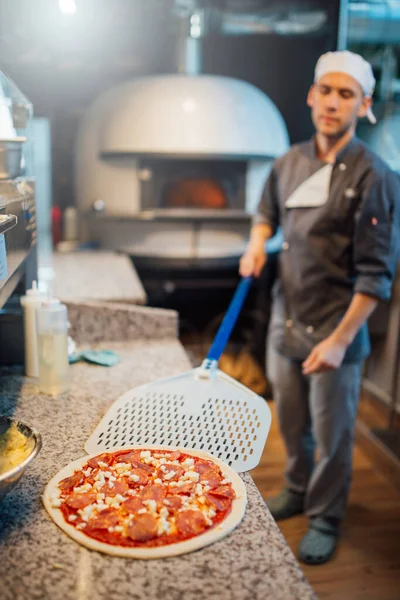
[(9, 479)]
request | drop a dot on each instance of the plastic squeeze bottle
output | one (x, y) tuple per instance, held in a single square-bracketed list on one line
[(52, 327), (30, 302)]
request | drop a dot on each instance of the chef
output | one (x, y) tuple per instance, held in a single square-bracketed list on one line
[(338, 206)]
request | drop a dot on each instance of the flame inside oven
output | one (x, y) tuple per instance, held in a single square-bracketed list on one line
[(194, 193)]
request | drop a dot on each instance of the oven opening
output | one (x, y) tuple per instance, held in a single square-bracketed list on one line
[(192, 184), (194, 193)]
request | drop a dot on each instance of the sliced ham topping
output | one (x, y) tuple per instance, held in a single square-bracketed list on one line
[(190, 522), (143, 528)]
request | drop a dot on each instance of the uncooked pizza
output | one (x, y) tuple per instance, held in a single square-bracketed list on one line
[(146, 502)]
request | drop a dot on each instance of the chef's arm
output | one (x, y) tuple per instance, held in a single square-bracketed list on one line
[(360, 309), (376, 252), (330, 352), (260, 233), (254, 258), (265, 224)]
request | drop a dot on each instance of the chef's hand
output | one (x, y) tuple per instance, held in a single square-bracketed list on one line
[(326, 356), (252, 261)]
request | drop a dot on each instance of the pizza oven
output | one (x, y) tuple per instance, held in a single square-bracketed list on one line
[(172, 167)]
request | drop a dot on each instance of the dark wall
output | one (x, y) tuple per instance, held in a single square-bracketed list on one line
[(63, 64), (282, 67)]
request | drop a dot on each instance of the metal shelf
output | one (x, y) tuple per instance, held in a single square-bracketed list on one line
[(171, 214)]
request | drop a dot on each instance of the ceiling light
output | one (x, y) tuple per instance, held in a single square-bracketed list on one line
[(68, 7)]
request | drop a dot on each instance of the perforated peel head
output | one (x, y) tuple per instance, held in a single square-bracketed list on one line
[(213, 413)]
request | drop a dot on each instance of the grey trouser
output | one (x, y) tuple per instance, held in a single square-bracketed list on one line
[(316, 413)]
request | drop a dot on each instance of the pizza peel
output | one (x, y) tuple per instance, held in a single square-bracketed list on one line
[(203, 408)]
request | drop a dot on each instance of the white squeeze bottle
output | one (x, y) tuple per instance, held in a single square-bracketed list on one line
[(52, 327), (30, 302)]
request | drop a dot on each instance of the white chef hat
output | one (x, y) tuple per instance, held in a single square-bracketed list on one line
[(352, 64)]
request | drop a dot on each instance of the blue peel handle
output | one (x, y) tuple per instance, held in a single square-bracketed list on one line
[(229, 321)]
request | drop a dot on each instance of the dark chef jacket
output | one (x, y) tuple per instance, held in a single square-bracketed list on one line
[(341, 230)]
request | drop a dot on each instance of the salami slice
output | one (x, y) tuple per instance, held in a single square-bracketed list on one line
[(133, 504), (170, 472), (104, 458), (126, 456), (137, 477), (143, 528), (148, 469), (201, 466), (187, 488), (175, 455), (225, 491), (210, 478), (173, 503), (190, 522), (78, 501), (107, 518), (220, 504), (91, 478), (153, 492), (70, 482), (116, 487)]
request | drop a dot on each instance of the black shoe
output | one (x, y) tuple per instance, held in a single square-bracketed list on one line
[(287, 504)]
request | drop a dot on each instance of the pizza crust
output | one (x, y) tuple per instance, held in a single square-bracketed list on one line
[(205, 539)]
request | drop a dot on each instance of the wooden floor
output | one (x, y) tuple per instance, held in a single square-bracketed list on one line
[(367, 564)]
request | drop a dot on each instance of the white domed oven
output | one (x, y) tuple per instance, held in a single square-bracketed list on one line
[(172, 167)]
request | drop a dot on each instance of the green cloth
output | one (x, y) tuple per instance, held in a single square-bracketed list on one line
[(74, 358), (104, 358)]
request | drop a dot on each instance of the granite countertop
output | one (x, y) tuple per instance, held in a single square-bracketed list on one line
[(96, 275), (38, 561)]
